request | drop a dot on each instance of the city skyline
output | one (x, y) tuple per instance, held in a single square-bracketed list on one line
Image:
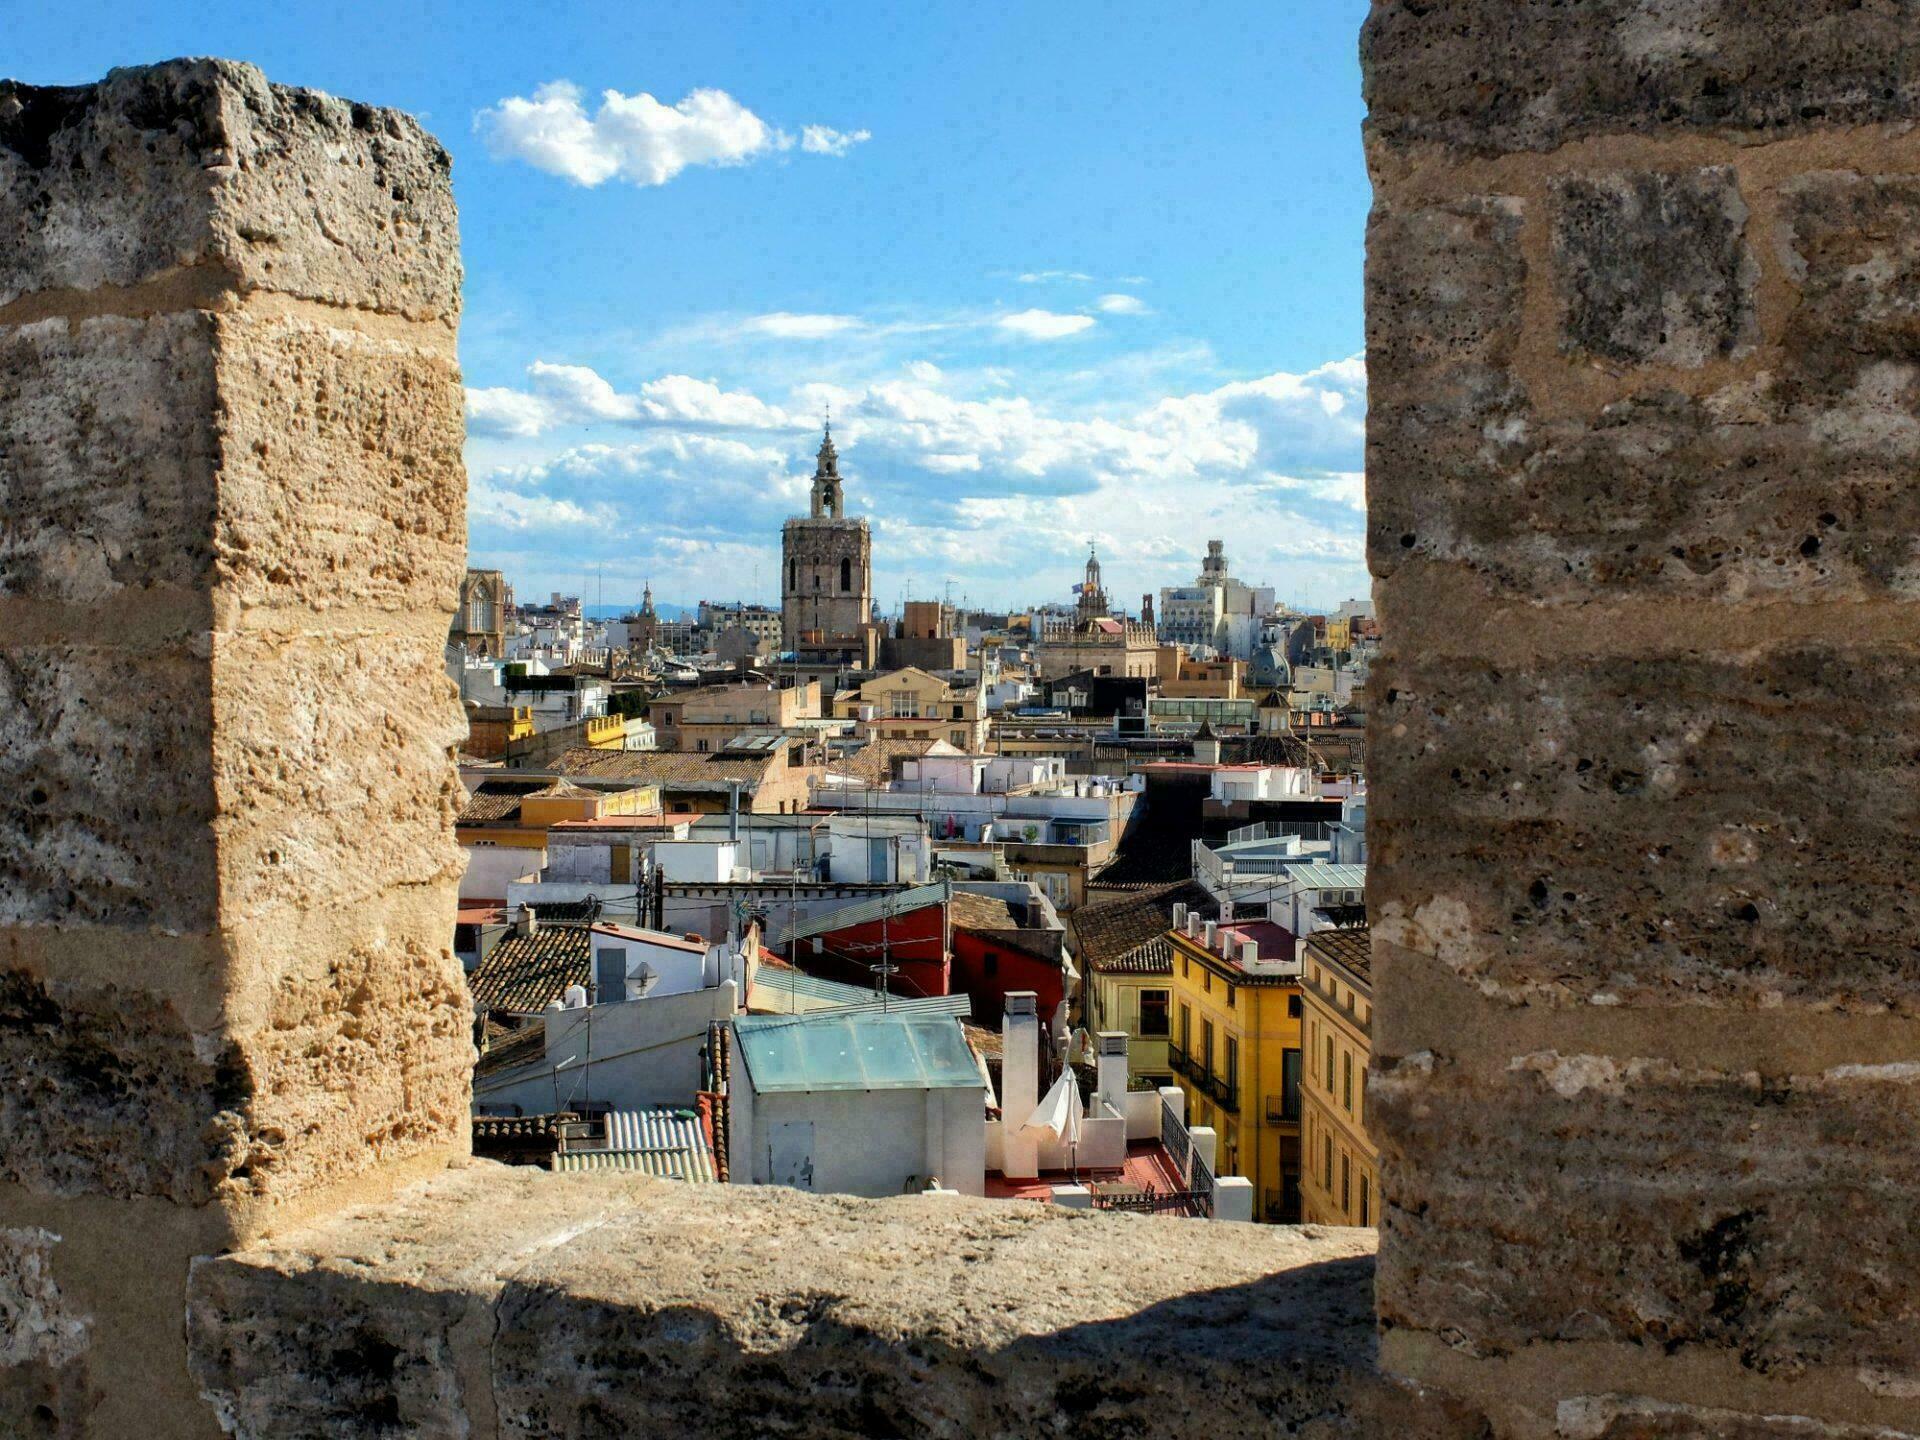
[(1013, 251)]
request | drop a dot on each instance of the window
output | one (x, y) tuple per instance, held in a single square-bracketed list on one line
[(846, 575), (1293, 1007), (959, 738), (1366, 1200), (793, 574), (1186, 968), (1346, 1183), (1230, 1072), (1186, 1027), (1289, 1084), (993, 963), (1206, 981), (1153, 1011), (1346, 1080), (1206, 1045), (1327, 1074), (1326, 1169), (902, 702), (959, 712)]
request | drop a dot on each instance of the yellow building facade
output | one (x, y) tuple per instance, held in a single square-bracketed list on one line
[(1342, 1181), (1236, 1053)]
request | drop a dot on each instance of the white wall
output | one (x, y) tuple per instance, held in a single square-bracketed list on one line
[(492, 868), (645, 1052), (696, 862), (873, 1143)]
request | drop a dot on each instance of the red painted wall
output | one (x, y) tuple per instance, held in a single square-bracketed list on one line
[(1012, 970), (913, 940)]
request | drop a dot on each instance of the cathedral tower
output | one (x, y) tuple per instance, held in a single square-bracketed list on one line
[(827, 565)]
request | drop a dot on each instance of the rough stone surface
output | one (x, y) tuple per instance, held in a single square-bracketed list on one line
[(331, 769), (107, 1092), (1738, 496), (1661, 830), (1486, 76), (550, 1307), (43, 1343), (342, 481), (201, 162), (1445, 282), (106, 456), (1580, 1198), (1653, 266), (83, 732), (1613, 1417)]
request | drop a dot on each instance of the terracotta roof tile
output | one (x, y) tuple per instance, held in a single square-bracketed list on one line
[(1108, 934), (1351, 950), (524, 974)]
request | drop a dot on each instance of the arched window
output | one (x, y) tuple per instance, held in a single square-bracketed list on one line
[(846, 575)]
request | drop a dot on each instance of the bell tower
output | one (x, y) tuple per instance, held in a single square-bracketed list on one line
[(826, 589)]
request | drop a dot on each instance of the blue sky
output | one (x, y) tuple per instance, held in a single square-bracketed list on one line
[(1064, 272)]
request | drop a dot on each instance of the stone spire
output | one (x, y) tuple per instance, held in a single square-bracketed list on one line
[(1093, 594), (826, 478)]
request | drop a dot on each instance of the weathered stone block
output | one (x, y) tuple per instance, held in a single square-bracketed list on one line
[(281, 189), (106, 456), (1851, 243), (1723, 499), (43, 1343), (106, 789), (342, 483), (623, 1305), (1488, 76), (366, 1057), (1579, 1198), (1444, 283), (333, 769), (1617, 1417), (107, 1091), (1654, 830), (1652, 267)]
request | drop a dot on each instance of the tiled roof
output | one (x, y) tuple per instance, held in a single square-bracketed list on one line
[(873, 763), (511, 1050), (524, 974), (970, 911), (1351, 950), (1271, 750), (1109, 933), (1153, 958), (485, 809), (669, 769)]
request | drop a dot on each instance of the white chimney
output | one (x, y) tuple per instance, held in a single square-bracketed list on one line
[(1208, 933), (1226, 943), (1019, 1083), (1110, 1068), (1179, 915), (1249, 953), (526, 923)]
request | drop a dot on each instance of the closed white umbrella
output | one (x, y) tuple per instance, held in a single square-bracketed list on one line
[(1059, 1112)]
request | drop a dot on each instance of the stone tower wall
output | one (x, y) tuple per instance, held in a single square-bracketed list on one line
[(1642, 285), (233, 501), (812, 550)]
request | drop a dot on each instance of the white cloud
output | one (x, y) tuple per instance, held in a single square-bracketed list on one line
[(783, 325), (637, 138), (1121, 304), (562, 395), (1045, 324), (997, 488), (821, 140), (1041, 277)]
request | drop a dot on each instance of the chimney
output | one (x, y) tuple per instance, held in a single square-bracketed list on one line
[(1110, 1068), (1020, 1037), (1179, 915), (1249, 953), (1208, 933), (1036, 913), (526, 922)]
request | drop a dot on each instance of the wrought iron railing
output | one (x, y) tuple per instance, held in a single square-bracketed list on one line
[(1200, 1187), (1174, 1138)]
